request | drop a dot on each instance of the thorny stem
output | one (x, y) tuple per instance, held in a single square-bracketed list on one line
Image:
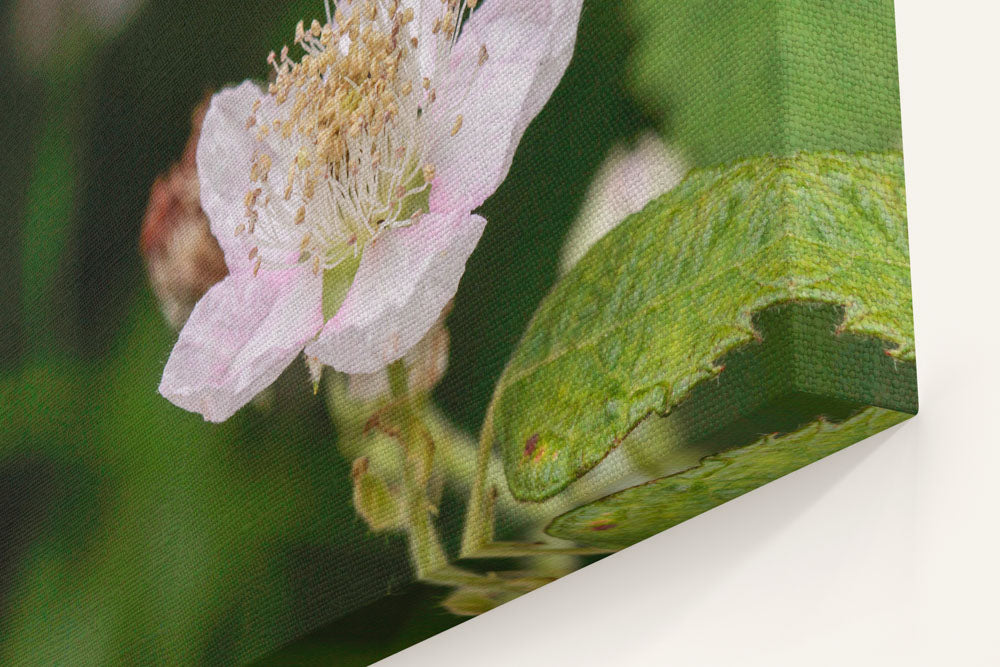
[(429, 558), (428, 555)]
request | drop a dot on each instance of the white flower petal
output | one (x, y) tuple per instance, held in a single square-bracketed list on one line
[(239, 338), (529, 44), (404, 281), (226, 151)]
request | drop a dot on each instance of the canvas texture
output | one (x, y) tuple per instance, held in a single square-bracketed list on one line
[(309, 354)]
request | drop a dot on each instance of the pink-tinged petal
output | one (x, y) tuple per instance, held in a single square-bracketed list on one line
[(529, 44), (225, 155), (405, 279), (561, 41), (239, 338)]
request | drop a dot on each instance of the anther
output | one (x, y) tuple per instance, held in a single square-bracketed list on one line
[(352, 116), (263, 167)]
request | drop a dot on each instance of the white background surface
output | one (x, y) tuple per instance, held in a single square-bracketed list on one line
[(886, 553)]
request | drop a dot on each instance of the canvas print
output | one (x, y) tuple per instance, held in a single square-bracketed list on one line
[(332, 324)]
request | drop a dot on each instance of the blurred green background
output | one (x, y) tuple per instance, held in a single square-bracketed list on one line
[(131, 531)]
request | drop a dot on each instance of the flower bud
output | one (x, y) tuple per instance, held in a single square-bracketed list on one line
[(373, 501), (473, 602), (498, 588), (625, 183), (183, 259)]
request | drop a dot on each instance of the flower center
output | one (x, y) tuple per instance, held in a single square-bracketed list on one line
[(348, 131)]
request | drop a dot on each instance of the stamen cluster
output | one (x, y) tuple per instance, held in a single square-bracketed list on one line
[(349, 126)]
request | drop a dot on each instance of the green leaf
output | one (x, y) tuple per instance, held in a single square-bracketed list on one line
[(626, 517), (336, 283), (736, 78), (645, 318)]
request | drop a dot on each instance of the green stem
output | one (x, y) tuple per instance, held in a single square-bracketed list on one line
[(399, 381), (478, 531), (429, 557), (425, 548)]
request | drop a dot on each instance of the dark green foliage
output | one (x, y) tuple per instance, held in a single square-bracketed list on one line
[(732, 79)]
